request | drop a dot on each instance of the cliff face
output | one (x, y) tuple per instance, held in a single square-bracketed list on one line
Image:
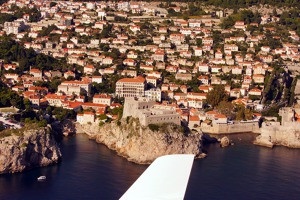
[(141, 145), (35, 148), (274, 134)]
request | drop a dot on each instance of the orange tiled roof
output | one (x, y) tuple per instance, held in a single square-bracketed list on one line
[(132, 80)]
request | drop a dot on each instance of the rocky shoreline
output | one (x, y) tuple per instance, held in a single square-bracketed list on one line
[(33, 148), (140, 144)]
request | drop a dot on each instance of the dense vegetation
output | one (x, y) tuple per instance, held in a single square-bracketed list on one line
[(4, 17), (9, 98), (11, 51), (245, 15), (192, 11), (3, 1), (218, 98), (34, 14), (232, 3), (247, 3), (216, 95), (291, 19)]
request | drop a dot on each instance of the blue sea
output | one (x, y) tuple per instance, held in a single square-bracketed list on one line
[(92, 171)]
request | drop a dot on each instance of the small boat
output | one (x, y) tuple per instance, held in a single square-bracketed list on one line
[(41, 178)]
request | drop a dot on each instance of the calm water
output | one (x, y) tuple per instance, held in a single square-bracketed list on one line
[(91, 171)]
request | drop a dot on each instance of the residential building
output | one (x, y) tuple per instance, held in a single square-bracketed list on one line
[(131, 87)]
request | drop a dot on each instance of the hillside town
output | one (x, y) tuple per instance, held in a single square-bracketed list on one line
[(199, 70)]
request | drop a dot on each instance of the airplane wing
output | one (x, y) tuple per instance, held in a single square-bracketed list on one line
[(166, 178)]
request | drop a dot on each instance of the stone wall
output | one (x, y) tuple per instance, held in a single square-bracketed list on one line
[(297, 88), (132, 106), (231, 128), (275, 134), (162, 118)]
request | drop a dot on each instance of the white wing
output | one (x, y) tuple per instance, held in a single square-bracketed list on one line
[(166, 178)]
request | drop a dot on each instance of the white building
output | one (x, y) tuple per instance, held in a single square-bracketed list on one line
[(72, 86), (102, 99), (13, 27), (153, 94), (97, 79), (131, 87), (85, 118)]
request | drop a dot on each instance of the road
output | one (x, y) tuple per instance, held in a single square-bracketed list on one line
[(2, 119)]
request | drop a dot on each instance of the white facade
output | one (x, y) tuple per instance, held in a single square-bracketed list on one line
[(130, 87), (153, 94), (102, 99), (13, 27)]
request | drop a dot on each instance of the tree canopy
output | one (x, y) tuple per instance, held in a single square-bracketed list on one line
[(11, 51), (245, 15), (216, 95)]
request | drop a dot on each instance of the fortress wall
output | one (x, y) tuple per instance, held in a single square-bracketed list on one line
[(288, 135), (133, 107), (297, 88), (231, 128), (165, 118)]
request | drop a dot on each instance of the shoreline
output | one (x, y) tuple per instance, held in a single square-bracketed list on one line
[(235, 138), (142, 145)]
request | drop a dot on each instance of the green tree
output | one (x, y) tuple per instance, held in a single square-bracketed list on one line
[(225, 108), (240, 115), (216, 95), (243, 113), (42, 123), (52, 4), (103, 117), (27, 105)]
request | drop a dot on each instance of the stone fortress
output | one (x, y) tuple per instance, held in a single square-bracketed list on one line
[(290, 117), (287, 133), (148, 112)]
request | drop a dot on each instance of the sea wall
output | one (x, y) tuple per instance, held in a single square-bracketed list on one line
[(231, 128), (272, 133), (33, 148), (140, 144)]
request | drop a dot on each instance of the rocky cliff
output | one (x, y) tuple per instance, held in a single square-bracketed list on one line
[(275, 134), (31, 148), (141, 144)]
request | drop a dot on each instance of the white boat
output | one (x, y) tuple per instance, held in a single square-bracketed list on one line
[(41, 178)]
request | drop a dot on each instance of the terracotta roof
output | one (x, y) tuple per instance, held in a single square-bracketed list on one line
[(90, 66), (212, 112), (102, 96), (35, 70), (93, 104), (88, 113), (74, 104), (220, 116), (194, 118), (132, 80)]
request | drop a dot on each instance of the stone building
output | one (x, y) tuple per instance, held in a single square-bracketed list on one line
[(290, 117), (148, 112), (76, 87)]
